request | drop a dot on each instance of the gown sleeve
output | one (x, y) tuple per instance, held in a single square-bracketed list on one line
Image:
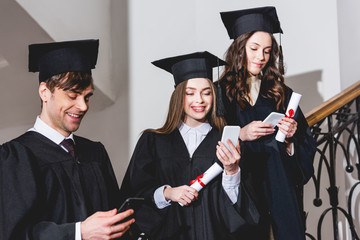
[(141, 180), (20, 198), (301, 163), (237, 217)]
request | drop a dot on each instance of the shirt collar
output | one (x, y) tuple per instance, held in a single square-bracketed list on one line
[(204, 128), (41, 127), (253, 79)]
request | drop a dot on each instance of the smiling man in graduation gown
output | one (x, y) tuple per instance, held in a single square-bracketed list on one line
[(53, 184)]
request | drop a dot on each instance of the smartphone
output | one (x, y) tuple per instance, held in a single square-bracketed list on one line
[(274, 118), (232, 133), (131, 203)]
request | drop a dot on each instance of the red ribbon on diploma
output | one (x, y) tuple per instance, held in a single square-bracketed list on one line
[(291, 113), (199, 180)]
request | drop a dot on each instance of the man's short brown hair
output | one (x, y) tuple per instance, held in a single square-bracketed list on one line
[(70, 80)]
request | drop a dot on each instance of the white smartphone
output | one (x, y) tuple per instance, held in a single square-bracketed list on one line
[(274, 118), (232, 133)]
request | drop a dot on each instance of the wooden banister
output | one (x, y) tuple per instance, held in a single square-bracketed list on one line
[(335, 125), (330, 106)]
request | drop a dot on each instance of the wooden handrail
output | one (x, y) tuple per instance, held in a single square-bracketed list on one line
[(333, 104)]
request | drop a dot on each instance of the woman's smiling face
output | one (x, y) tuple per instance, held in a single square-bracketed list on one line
[(197, 101)]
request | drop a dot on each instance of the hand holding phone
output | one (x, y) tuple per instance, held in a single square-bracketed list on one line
[(131, 203), (274, 118), (232, 133)]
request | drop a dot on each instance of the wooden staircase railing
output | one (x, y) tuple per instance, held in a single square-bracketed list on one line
[(335, 125), (330, 106)]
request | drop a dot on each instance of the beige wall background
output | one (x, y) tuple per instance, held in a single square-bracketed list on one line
[(320, 44)]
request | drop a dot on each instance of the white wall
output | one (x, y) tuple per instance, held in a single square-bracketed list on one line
[(162, 28), (81, 19), (349, 38)]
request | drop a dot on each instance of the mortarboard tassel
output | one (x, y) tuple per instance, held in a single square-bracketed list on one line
[(281, 59), (220, 109)]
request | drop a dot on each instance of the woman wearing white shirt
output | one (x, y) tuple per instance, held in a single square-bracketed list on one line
[(165, 160)]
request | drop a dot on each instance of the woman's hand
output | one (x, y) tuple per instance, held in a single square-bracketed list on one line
[(288, 126), (229, 160), (255, 130), (183, 194)]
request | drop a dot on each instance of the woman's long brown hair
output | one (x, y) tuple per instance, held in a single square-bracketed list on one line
[(176, 112), (235, 73)]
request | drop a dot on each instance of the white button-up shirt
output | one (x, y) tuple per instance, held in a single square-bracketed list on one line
[(41, 127), (192, 138)]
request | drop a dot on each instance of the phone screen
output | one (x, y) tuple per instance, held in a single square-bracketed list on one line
[(232, 133), (274, 118)]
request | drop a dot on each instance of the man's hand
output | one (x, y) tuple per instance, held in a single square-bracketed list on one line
[(105, 225)]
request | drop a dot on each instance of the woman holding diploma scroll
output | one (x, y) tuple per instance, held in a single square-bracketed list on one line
[(167, 159), (252, 86)]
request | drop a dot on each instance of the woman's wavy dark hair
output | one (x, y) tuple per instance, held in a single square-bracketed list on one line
[(235, 73)]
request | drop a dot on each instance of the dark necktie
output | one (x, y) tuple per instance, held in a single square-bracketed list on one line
[(69, 145)]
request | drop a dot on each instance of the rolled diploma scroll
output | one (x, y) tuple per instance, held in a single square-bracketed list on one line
[(205, 178), (290, 113)]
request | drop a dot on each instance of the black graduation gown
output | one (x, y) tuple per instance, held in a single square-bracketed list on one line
[(44, 190), (161, 159), (273, 178)]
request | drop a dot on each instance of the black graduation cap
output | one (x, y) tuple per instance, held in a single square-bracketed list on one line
[(50, 59), (193, 65), (253, 19)]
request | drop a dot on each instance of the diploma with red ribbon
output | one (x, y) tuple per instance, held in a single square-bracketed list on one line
[(290, 113), (206, 177)]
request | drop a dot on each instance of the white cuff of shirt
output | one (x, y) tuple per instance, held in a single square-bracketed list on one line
[(159, 197), (78, 231), (292, 150), (231, 185)]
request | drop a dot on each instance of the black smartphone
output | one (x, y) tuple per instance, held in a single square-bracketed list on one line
[(131, 203)]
